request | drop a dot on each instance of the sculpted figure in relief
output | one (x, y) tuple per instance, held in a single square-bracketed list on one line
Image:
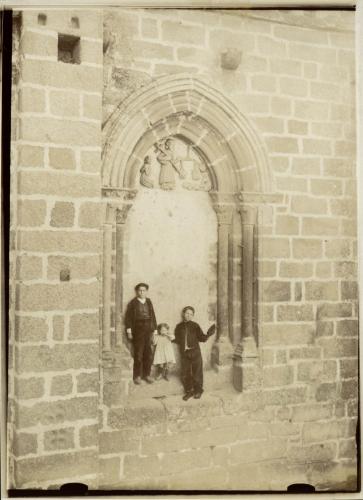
[(145, 178), (168, 164)]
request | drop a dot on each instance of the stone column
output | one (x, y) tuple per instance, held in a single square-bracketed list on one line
[(222, 349), (246, 350), (106, 278), (121, 216)]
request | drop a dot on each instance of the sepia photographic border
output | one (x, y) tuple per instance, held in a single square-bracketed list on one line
[(215, 4)]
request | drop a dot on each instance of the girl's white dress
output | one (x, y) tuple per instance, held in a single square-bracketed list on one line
[(164, 352)]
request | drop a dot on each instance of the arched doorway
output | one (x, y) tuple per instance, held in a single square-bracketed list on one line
[(190, 111)]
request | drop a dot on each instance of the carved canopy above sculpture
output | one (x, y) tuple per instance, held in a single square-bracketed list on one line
[(185, 107)]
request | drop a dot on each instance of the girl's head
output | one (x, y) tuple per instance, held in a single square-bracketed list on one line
[(163, 328)]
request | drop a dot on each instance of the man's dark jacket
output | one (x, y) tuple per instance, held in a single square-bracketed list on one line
[(130, 317), (195, 334)]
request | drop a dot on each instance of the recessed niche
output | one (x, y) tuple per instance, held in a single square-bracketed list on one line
[(42, 19), (69, 49), (75, 22)]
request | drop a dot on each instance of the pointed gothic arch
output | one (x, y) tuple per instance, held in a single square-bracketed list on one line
[(184, 105)]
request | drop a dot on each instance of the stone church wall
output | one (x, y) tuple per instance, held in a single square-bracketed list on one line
[(295, 420)]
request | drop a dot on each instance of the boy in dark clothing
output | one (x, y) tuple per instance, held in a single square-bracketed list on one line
[(140, 324), (188, 334)]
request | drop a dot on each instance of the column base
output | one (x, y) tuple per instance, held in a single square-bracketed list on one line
[(246, 373), (222, 354)]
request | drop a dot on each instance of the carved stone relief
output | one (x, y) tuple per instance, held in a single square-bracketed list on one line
[(172, 164)]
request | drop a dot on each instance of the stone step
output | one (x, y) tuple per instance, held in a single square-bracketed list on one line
[(162, 388)]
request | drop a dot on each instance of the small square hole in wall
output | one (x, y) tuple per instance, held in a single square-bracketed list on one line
[(42, 19), (75, 22), (69, 49)]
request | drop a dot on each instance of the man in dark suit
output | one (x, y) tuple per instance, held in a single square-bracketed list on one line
[(188, 334), (140, 325)]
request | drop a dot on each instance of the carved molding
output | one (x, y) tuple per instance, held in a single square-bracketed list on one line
[(119, 193)]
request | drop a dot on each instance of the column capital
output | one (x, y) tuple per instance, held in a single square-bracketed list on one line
[(248, 214), (122, 212), (224, 213)]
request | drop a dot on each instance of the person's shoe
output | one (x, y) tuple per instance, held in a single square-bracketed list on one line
[(197, 395), (187, 396), (158, 376), (165, 375), (137, 380), (148, 379)]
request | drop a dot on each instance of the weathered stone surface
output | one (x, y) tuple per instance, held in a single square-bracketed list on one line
[(55, 466), (31, 212), (315, 452), (76, 185), (59, 241), (349, 290), (326, 391), (57, 412), (278, 376), (307, 248), (64, 103), (348, 368), (25, 443), (275, 291), (320, 431), (67, 296), (30, 329), (91, 161), (109, 470), (57, 358), (338, 310), (28, 268), (32, 100), (349, 389), (59, 439), (29, 388), (139, 413), (347, 328), (288, 334), (321, 290), (88, 435), (30, 156), (311, 412), (62, 214), (80, 267), (62, 158), (305, 352), (84, 326), (295, 313), (90, 215), (324, 328), (284, 396), (296, 269), (142, 467), (272, 448), (120, 441), (58, 327), (61, 385), (339, 347), (88, 382), (309, 371)]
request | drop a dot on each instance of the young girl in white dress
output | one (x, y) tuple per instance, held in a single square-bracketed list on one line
[(164, 352)]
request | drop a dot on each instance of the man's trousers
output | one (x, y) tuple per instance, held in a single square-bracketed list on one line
[(143, 356), (192, 370)]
